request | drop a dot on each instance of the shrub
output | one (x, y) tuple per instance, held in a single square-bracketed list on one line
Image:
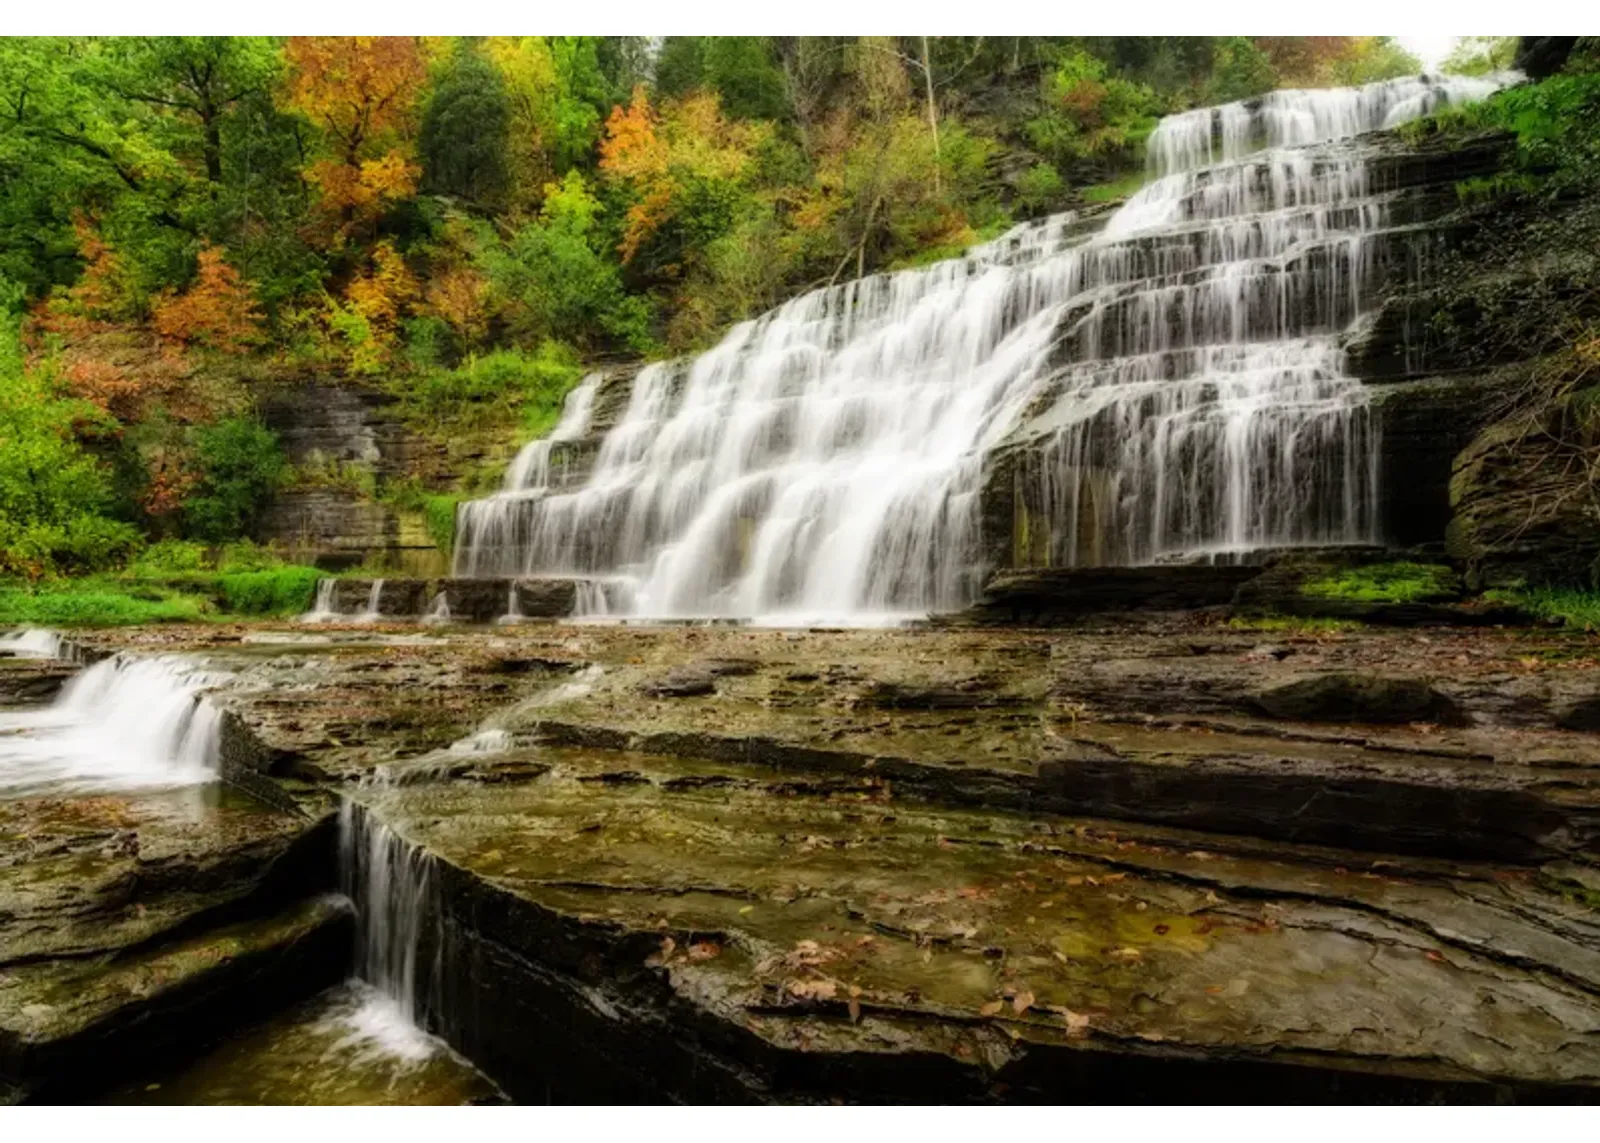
[(240, 466), (286, 590)]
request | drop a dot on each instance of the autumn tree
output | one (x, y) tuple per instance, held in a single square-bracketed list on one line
[(362, 91), (216, 311)]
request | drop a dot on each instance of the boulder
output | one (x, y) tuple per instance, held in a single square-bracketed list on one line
[(1358, 698)]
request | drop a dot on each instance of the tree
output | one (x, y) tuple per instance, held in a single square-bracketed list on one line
[(196, 80), (54, 497), (555, 279), (465, 129), (362, 91), (1480, 55), (216, 311)]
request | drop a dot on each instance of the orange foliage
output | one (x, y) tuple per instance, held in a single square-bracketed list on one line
[(380, 292), (632, 148), (217, 309), (458, 296), (1305, 60), (652, 152), (171, 481), (95, 299), (363, 91), (357, 88)]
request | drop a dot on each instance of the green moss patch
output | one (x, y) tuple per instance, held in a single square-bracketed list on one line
[(1400, 582)]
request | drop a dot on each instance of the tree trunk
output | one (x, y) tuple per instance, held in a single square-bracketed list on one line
[(933, 118)]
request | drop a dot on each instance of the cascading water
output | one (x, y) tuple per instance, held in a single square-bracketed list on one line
[(1178, 377), (121, 724)]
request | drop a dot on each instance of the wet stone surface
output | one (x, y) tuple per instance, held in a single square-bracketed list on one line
[(724, 863), (343, 1047)]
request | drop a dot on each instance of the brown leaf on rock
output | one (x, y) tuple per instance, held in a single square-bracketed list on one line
[(1021, 1002), (990, 1009)]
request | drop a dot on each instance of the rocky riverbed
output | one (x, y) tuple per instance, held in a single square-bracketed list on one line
[(1167, 857)]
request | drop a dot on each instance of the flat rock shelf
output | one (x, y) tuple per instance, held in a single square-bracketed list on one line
[(1148, 859)]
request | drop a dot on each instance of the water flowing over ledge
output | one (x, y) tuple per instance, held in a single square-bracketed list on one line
[(1178, 377), (124, 723)]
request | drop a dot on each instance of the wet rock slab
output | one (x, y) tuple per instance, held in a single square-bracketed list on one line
[(640, 927), (144, 922)]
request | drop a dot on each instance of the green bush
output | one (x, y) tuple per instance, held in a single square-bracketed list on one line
[(286, 590), (168, 556), (241, 467), (90, 606)]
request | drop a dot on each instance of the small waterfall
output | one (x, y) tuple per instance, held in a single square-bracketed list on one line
[(323, 608), (438, 611), (373, 613), (513, 613), (398, 937), (1177, 379), (123, 723), (32, 643)]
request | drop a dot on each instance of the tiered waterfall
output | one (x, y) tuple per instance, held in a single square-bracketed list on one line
[(1177, 375)]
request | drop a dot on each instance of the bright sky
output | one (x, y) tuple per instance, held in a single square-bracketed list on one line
[(1431, 50)]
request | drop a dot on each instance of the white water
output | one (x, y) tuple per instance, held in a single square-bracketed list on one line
[(1179, 373), (31, 643), (374, 596), (323, 608), (397, 942), (122, 724)]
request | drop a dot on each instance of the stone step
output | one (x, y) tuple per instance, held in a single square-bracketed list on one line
[(464, 600)]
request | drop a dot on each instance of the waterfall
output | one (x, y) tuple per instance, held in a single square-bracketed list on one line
[(1177, 379), (398, 945), (324, 609), (438, 611), (124, 723), (31, 643), (374, 594)]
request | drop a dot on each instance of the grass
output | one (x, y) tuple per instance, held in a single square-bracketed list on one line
[(1579, 609), (85, 605), (1114, 191), (1292, 624), (1401, 582), (169, 583)]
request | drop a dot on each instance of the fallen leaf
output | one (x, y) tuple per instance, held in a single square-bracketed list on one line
[(1021, 1002), (990, 1009), (704, 950), (855, 1010), (1128, 954)]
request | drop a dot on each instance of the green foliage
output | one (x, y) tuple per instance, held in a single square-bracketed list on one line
[(1557, 127), (167, 557), (54, 497), (1570, 606), (559, 280), (1240, 69), (279, 591), (241, 467), (1091, 112), (465, 129), (1480, 55), (742, 69), (1040, 186), (536, 382), (1399, 582), (91, 604)]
